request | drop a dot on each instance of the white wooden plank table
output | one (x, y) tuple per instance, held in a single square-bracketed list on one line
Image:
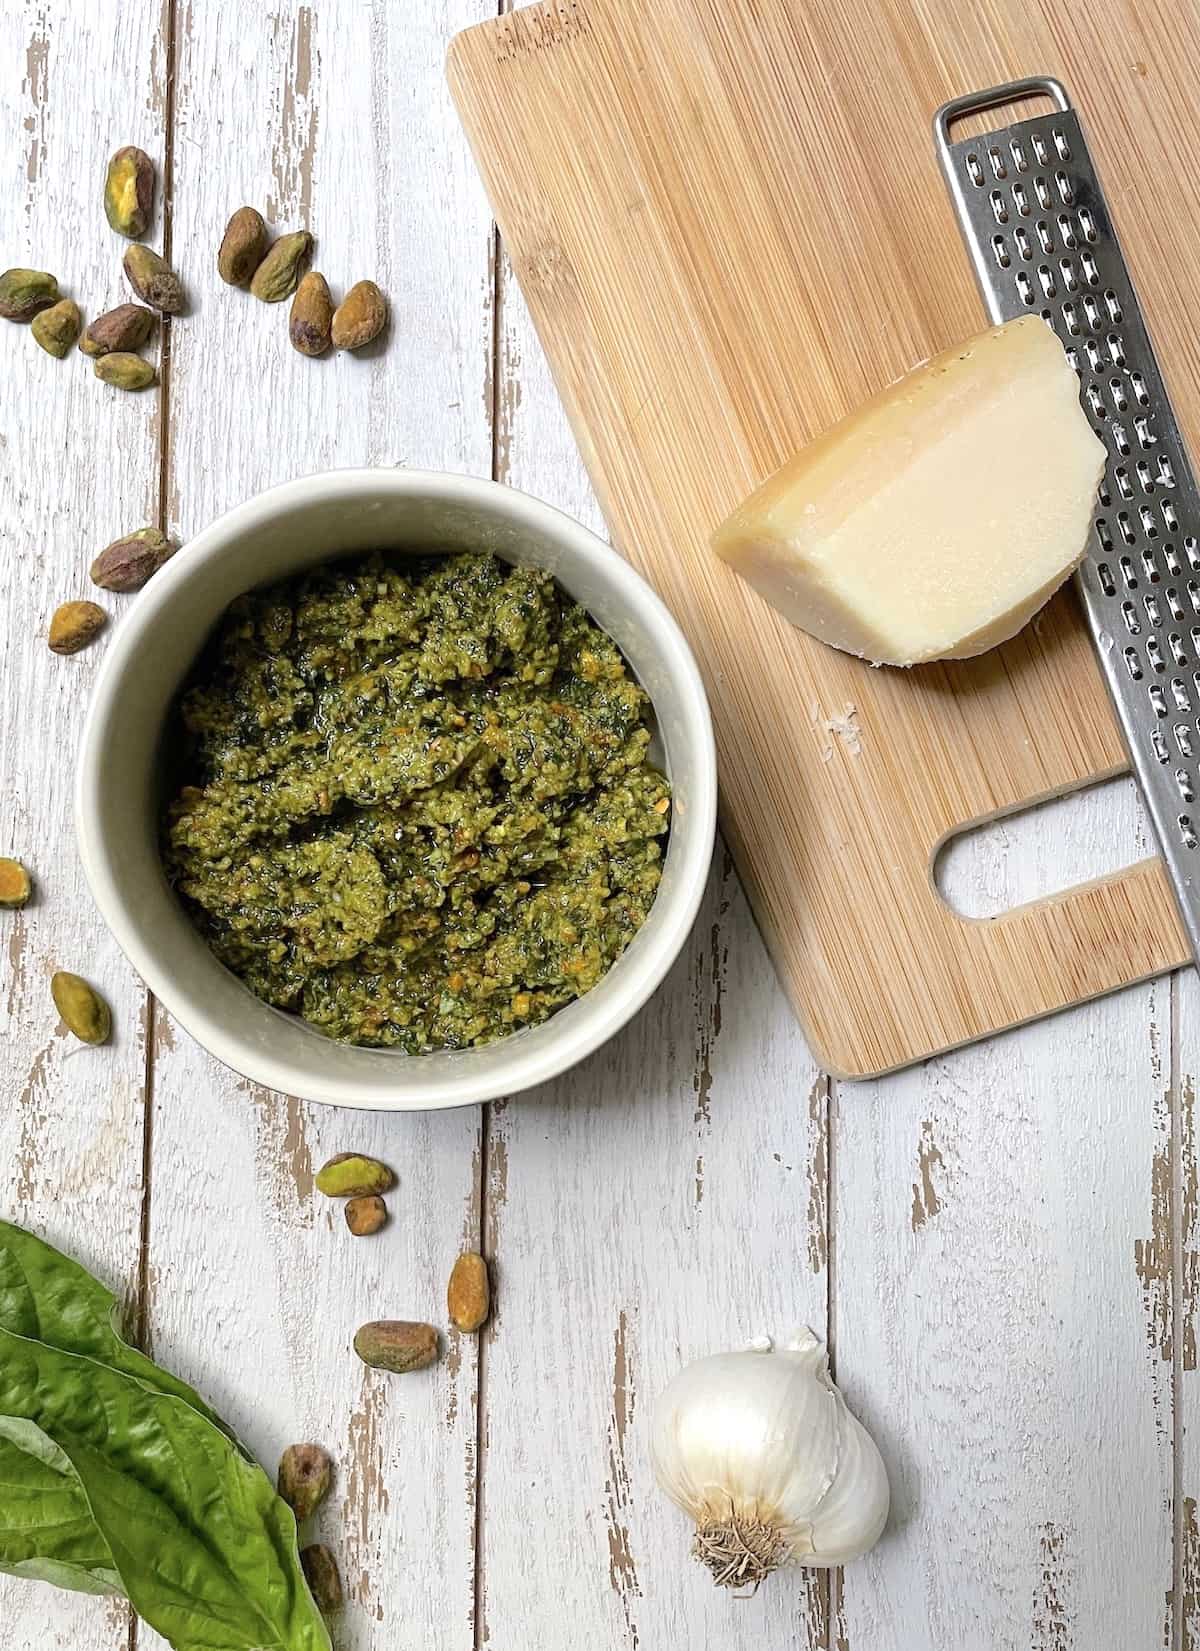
[(1001, 1246)]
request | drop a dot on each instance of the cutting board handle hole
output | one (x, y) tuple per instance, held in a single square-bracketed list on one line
[(998, 115), (985, 870)]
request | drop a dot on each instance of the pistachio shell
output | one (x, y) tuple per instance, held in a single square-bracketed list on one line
[(154, 281), (311, 323), (125, 328), (305, 1475), (128, 562)]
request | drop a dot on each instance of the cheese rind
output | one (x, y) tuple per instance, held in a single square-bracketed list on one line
[(935, 521)]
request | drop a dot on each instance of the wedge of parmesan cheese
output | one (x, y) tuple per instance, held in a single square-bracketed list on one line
[(936, 520)]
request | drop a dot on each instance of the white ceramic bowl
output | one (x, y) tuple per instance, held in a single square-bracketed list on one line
[(118, 793)]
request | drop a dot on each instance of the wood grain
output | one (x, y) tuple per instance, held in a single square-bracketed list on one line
[(730, 226), (334, 116), (78, 465)]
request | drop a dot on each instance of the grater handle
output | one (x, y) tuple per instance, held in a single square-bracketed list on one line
[(1038, 228)]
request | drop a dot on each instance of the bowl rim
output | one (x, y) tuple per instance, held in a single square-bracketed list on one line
[(665, 930)]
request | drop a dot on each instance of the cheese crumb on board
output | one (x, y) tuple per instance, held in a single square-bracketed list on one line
[(935, 521)]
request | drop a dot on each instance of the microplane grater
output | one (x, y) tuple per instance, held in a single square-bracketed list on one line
[(1038, 229)]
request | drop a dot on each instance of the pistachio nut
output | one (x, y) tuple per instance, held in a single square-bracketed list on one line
[(276, 278), (305, 1475), (129, 192), (125, 371), (311, 324), (57, 328), (15, 884), (84, 1012), (365, 1215), (125, 328), (154, 281), (360, 317), (397, 1344), (23, 292), (350, 1174), (323, 1578), (74, 625), (242, 247), (469, 1293), (129, 561)]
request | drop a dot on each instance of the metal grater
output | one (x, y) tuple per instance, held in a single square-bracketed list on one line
[(1041, 239)]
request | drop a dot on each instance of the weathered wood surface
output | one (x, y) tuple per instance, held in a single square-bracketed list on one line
[(1002, 1244)]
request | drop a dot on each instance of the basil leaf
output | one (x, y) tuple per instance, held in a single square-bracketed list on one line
[(205, 1550), (47, 1532), (45, 1296)]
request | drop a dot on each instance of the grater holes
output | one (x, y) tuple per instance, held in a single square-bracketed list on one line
[(1091, 272), (1158, 703), (1126, 566), (1092, 311), (1179, 694), (1153, 612), (1124, 485), (1103, 495), (1041, 153), (1042, 190), (1178, 656), (1140, 393), (1159, 746), (1067, 230), (1022, 242), (975, 171), (1192, 551), (1104, 574), (1061, 144), (1087, 224), (1183, 740), (999, 207), (1095, 402), (1149, 568), (1195, 634), (1187, 831), (1145, 479), (1173, 602), (1171, 558), (1067, 271), (1066, 189), (1193, 590), (999, 169), (1105, 538), (1125, 528), (1169, 515), (1025, 290), (1000, 251), (1149, 525), (1166, 473), (1154, 656), (1184, 781), (1120, 440), (1116, 350), (1093, 355), (1117, 391), (1017, 151), (1145, 436), (1047, 280), (1114, 306), (1130, 615), (1133, 664), (1071, 319), (1045, 239), (1020, 199)]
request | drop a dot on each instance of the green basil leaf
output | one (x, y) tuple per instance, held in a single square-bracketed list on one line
[(45, 1296), (47, 1532), (206, 1551)]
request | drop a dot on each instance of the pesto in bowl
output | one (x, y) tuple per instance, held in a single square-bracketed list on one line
[(415, 807)]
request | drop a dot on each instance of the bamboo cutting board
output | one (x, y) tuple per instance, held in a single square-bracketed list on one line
[(729, 224)]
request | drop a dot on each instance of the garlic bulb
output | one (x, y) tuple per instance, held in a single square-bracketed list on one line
[(759, 1448)]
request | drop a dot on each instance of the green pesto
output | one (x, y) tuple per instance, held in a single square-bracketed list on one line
[(415, 807)]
